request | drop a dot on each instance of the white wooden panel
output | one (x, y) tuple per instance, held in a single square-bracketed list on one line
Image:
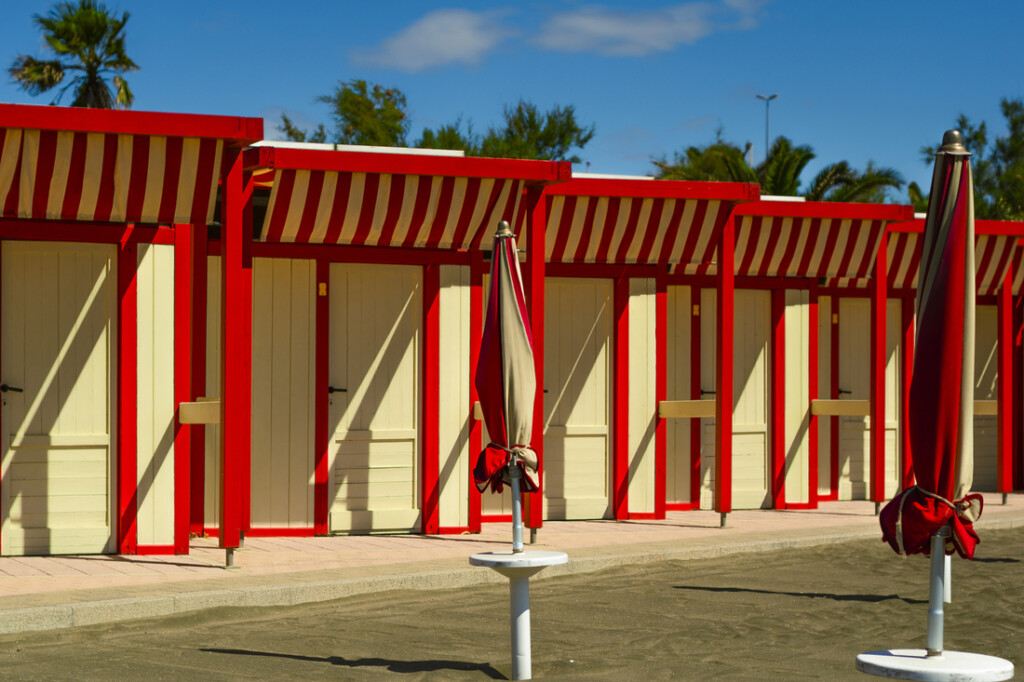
[(453, 418), (750, 412), (854, 377), (58, 322), (211, 497), (283, 381), (797, 416), (643, 406), (577, 361), (825, 350), (893, 397), (986, 379), (155, 385), (677, 431), (708, 382), (375, 326)]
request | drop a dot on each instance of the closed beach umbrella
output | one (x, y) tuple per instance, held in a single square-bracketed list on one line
[(941, 419), (505, 378)]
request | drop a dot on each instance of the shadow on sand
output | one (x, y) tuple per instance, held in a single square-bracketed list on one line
[(389, 665), (811, 595)]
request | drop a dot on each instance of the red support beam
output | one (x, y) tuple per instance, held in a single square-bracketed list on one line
[(660, 393), (184, 316), (431, 398), (127, 396), (777, 432), (620, 402), (724, 362), (907, 304), (1018, 392), (813, 351), (695, 389), (321, 456), (876, 485), (833, 368), (536, 220), (1004, 386), (476, 332), (236, 354)]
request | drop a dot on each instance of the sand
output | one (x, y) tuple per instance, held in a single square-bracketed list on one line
[(790, 615)]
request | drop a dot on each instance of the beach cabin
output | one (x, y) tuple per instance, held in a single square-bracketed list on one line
[(99, 212), (366, 268), (997, 366)]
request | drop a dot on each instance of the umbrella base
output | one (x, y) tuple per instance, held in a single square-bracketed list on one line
[(915, 664)]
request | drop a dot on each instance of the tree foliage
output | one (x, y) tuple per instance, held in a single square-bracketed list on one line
[(998, 168), (780, 173), (296, 134), (89, 44), (368, 114)]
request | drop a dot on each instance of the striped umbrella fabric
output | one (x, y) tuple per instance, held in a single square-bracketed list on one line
[(941, 420), (505, 377), (107, 177)]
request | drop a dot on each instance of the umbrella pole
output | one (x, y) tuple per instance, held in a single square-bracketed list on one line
[(515, 474), (937, 592)]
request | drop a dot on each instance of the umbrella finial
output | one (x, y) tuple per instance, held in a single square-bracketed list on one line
[(953, 143), (504, 229)]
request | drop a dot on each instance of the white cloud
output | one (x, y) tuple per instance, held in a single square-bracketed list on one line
[(621, 33), (441, 38)]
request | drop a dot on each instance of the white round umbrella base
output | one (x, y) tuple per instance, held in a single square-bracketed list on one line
[(951, 666), (518, 564)]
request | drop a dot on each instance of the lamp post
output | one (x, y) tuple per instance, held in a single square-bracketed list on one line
[(767, 106)]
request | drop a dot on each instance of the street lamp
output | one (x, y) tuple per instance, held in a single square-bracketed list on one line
[(767, 105)]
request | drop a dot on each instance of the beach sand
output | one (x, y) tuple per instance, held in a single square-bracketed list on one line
[(789, 615)]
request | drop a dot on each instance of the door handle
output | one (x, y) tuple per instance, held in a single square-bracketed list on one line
[(704, 393), (843, 391), (4, 388), (332, 389)]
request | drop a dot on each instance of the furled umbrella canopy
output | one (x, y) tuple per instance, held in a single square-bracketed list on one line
[(505, 377), (941, 419)]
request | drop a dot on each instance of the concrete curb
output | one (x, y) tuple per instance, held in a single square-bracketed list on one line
[(54, 617)]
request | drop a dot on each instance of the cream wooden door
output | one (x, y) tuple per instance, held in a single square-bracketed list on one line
[(986, 377), (59, 303), (283, 380), (677, 464), (750, 416), (855, 384), (577, 361), (376, 317)]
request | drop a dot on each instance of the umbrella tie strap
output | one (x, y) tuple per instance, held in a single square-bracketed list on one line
[(964, 509)]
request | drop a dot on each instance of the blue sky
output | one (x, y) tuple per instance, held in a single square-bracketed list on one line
[(857, 80)]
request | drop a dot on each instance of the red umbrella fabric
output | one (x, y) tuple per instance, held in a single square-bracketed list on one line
[(941, 419), (505, 378)]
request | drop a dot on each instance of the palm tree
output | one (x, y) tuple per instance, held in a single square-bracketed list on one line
[(87, 40)]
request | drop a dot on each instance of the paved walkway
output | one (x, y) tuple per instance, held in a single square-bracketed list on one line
[(39, 593)]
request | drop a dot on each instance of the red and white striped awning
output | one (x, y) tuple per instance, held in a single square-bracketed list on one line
[(993, 254), (388, 209), (102, 176)]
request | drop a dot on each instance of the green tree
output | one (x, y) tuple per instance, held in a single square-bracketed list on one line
[(295, 134), (451, 136), (88, 41), (368, 114), (529, 134), (780, 173)]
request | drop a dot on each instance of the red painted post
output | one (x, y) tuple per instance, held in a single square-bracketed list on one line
[(778, 402), (536, 220), (197, 432), (1018, 391), (833, 368), (236, 354), (127, 396), (1004, 387), (813, 352), (476, 332), (620, 402), (906, 374), (725, 282), (660, 391), (183, 318), (876, 486), (431, 397), (322, 436), (695, 388)]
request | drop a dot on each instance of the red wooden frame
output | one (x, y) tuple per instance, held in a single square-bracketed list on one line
[(813, 352), (620, 400), (1004, 387), (321, 456), (777, 416), (876, 479), (197, 432), (695, 394), (536, 219), (476, 331), (907, 305), (660, 392), (430, 490), (127, 353), (724, 362)]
